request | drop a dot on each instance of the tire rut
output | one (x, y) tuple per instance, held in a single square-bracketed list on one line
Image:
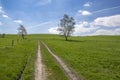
[(69, 73), (39, 67)]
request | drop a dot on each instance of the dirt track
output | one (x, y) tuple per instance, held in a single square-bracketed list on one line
[(69, 73), (39, 67)]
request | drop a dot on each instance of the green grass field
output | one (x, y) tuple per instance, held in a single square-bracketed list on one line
[(52, 68), (13, 58), (92, 57)]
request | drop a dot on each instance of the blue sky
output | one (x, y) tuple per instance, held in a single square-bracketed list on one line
[(93, 17)]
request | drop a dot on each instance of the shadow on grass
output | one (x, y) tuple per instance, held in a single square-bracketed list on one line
[(69, 40), (62, 39), (75, 41)]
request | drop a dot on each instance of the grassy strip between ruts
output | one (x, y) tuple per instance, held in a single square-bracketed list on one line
[(12, 59), (53, 71)]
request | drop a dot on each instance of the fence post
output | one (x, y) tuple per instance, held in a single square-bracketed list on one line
[(17, 40), (12, 43)]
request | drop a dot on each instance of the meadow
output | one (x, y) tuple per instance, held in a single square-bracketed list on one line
[(17, 60), (91, 57)]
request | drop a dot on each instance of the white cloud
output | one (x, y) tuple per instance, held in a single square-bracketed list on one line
[(53, 30), (84, 12), (106, 9), (100, 26), (80, 28), (107, 32), (88, 4), (1, 10), (84, 27), (3, 13), (5, 16), (110, 21), (18, 21)]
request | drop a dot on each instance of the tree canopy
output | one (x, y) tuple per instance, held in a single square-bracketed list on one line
[(22, 31), (66, 27)]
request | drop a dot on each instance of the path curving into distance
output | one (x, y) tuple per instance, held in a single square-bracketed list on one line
[(69, 73), (39, 67)]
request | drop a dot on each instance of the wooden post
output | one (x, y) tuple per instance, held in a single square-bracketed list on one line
[(17, 40), (12, 43)]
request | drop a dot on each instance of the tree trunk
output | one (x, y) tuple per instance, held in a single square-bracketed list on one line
[(23, 36), (66, 38)]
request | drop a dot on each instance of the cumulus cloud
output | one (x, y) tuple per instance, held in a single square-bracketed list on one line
[(53, 30), (18, 21), (107, 32), (109, 25), (109, 21), (84, 12), (88, 4), (100, 26), (84, 27), (81, 27)]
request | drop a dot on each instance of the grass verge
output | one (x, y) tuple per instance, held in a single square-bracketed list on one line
[(12, 59)]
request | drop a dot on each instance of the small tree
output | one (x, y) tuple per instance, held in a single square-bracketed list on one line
[(22, 31), (66, 27), (2, 35)]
